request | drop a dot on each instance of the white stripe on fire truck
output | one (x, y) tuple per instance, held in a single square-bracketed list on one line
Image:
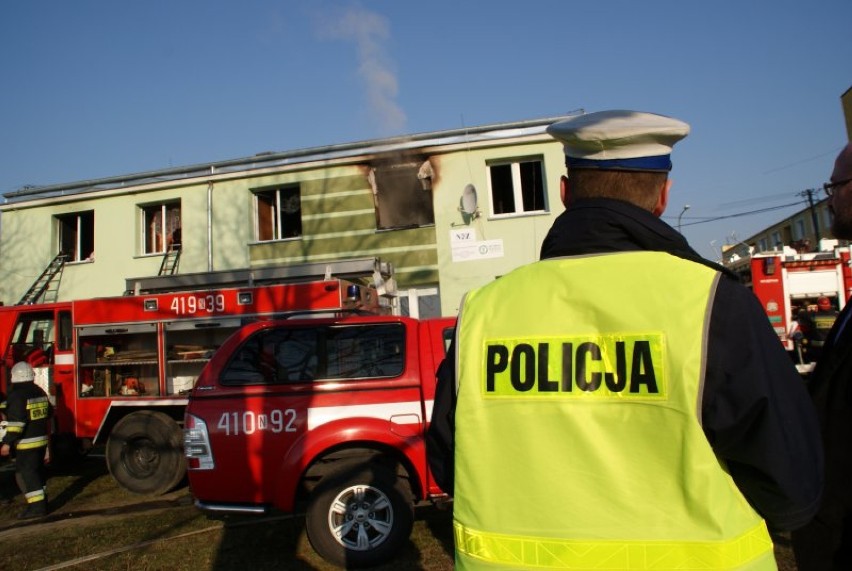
[(64, 359), (429, 404), (396, 412)]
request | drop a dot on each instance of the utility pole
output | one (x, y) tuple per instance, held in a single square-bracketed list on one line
[(809, 193)]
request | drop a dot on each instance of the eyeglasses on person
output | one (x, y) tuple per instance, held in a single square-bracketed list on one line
[(832, 187)]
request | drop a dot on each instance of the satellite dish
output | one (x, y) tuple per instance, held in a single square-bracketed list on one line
[(468, 200)]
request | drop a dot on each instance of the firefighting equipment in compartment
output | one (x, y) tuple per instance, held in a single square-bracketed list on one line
[(581, 413)]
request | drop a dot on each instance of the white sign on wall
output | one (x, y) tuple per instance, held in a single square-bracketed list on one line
[(465, 247)]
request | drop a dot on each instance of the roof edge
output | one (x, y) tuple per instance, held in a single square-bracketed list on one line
[(267, 159)]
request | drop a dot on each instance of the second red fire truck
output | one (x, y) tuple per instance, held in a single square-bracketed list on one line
[(787, 282)]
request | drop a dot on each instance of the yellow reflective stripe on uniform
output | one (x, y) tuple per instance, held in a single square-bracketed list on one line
[(554, 553), (15, 427), (29, 443), (36, 496)]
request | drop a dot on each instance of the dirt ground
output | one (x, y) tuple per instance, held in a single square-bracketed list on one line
[(95, 525)]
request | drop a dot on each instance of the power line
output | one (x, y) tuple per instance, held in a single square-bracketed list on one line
[(796, 163), (740, 214)]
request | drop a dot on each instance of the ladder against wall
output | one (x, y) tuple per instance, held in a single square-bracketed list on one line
[(171, 259), (46, 286)]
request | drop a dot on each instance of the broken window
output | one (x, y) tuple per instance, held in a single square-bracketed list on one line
[(161, 230), (516, 187), (403, 194), (278, 213), (76, 234)]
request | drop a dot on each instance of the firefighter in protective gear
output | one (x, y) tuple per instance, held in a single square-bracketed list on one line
[(28, 423), (622, 403), (823, 319)]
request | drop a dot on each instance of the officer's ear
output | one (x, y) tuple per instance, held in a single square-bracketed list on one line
[(564, 190), (662, 199)]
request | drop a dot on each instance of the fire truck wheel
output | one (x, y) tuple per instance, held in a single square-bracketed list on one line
[(144, 453), (360, 516)]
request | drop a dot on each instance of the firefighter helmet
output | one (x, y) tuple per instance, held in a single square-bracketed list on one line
[(22, 373), (823, 303)]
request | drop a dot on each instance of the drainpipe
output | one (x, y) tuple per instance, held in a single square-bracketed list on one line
[(210, 226)]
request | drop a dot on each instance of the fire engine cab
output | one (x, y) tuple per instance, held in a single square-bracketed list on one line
[(118, 370), (788, 285)]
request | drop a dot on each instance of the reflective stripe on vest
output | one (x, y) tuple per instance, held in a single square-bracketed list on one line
[(549, 553), (578, 421)]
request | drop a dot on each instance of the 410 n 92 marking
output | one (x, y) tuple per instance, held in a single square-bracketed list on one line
[(249, 422)]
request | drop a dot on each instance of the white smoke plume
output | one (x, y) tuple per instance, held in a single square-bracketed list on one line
[(369, 31)]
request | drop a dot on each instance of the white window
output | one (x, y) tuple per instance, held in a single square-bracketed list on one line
[(278, 214), (420, 303), (161, 228), (76, 235), (800, 229), (776, 240), (516, 187)]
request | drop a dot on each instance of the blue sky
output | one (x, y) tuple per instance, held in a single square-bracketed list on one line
[(94, 89)]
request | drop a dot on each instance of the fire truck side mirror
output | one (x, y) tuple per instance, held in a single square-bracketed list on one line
[(769, 266)]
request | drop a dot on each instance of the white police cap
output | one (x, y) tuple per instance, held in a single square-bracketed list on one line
[(619, 140)]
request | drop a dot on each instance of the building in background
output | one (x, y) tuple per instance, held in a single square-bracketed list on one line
[(450, 210), (803, 230)]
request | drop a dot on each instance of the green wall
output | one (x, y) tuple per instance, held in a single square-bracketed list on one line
[(338, 222)]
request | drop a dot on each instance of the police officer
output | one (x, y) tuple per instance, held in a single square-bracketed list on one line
[(28, 417), (622, 403)]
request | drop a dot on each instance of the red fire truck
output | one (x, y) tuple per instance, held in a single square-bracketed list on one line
[(118, 370), (786, 282), (321, 416)]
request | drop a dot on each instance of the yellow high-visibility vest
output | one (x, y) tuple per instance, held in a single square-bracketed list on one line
[(578, 428)]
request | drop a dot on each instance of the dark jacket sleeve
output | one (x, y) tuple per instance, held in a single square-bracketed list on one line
[(757, 414), (440, 447), (16, 417)]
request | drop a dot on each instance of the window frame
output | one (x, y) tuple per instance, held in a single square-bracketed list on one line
[(83, 235), (518, 191), (402, 193), (276, 217), (799, 226), (776, 239), (166, 208)]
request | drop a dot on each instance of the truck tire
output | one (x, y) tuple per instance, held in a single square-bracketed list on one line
[(144, 453), (359, 516)]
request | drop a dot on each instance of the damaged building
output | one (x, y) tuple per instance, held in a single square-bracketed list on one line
[(449, 210)]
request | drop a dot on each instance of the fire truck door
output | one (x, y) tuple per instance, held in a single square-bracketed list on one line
[(64, 366), (34, 340)]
